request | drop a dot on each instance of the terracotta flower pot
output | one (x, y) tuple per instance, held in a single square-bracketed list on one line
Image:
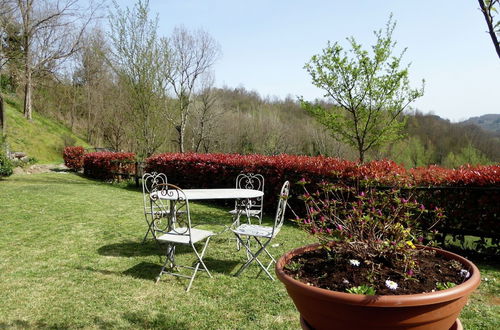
[(326, 309)]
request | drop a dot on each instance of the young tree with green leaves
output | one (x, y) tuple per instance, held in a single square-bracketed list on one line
[(371, 91), (490, 8), (467, 155), (140, 58)]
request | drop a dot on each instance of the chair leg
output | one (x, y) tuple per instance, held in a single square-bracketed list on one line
[(169, 258), (146, 236), (254, 257), (201, 255), (268, 254), (200, 262), (149, 230)]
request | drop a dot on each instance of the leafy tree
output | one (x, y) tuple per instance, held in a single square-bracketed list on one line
[(467, 155), (140, 58), (371, 91), (412, 152), (490, 8)]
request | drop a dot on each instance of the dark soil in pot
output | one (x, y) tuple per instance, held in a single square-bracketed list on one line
[(316, 269)]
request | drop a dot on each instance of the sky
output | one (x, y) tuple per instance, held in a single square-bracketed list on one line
[(265, 44)]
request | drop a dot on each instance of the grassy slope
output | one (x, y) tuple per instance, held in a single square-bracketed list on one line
[(41, 138), (72, 258)]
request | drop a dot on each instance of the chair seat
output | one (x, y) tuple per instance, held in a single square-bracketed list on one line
[(250, 212), (254, 230), (174, 236)]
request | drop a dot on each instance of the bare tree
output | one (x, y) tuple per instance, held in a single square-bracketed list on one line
[(191, 55), (5, 21), (51, 32), (140, 59), (93, 75), (489, 8), (206, 115)]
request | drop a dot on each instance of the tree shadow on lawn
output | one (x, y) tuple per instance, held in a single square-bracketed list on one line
[(138, 319), (149, 271), (130, 249), (143, 270)]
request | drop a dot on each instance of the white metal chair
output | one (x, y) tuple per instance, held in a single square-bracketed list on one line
[(180, 231), (263, 235), (251, 207), (154, 212)]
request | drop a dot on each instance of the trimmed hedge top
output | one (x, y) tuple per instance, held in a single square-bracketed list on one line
[(383, 171)]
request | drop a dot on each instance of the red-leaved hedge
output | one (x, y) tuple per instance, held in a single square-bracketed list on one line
[(470, 194), (73, 157), (102, 165)]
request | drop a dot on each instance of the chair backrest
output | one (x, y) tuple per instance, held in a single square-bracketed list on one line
[(149, 182), (251, 181), (180, 213), (280, 211)]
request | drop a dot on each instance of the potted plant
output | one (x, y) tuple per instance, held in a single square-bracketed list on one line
[(371, 268)]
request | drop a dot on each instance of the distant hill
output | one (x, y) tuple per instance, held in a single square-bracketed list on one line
[(42, 138), (489, 122)]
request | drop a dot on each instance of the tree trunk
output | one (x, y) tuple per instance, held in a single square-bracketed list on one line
[(491, 28), (2, 118), (361, 155), (27, 95), (180, 139)]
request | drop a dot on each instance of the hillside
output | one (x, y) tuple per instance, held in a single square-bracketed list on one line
[(489, 122), (41, 138)]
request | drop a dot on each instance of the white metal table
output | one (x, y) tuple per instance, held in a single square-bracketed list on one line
[(242, 195), (206, 194)]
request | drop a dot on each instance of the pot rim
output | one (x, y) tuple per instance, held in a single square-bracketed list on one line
[(416, 299)]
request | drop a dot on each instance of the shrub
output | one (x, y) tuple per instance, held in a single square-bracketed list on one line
[(469, 195), (103, 165), (377, 227), (24, 162), (5, 165), (73, 157)]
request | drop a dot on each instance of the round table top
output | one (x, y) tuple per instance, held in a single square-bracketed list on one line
[(219, 193)]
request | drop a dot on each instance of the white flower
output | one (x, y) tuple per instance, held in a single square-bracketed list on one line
[(464, 273), (391, 284), (354, 262), (345, 281)]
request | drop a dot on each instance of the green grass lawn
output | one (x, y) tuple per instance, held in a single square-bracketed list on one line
[(71, 257), (42, 137)]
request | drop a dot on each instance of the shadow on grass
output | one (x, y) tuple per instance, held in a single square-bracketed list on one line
[(130, 249), (221, 266), (149, 271), (144, 270), (134, 319), (161, 321)]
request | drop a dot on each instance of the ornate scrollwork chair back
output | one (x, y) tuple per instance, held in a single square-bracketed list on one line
[(153, 212), (252, 207)]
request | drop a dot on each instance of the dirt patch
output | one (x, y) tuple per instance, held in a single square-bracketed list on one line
[(41, 168), (315, 268)]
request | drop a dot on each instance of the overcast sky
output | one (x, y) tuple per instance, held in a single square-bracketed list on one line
[(265, 45)]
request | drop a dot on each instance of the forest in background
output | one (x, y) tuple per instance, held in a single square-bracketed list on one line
[(160, 99)]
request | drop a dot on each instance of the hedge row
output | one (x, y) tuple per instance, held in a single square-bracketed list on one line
[(73, 157), (103, 165), (470, 194)]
